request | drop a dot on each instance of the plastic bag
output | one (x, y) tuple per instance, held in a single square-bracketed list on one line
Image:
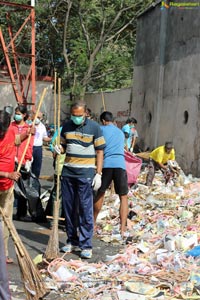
[(28, 190), (133, 167)]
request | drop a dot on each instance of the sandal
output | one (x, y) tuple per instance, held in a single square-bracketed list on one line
[(9, 260)]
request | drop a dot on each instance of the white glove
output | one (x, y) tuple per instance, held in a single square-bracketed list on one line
[(28, 165), (131, 149), (58, 149), (96, 182)]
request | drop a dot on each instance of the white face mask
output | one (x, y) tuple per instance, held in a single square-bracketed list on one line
[(37, 121)]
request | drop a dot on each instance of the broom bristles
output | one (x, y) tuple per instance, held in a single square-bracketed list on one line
[(52, 249), (29, 272)]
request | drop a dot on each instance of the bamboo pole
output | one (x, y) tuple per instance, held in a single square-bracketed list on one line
[(55, 100), (52, 249), (103, 100), (33, 283)]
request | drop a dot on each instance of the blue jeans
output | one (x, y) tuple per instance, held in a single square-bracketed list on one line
[(37, 160), (77, 197)]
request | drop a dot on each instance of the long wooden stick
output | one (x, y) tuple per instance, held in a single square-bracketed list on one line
[(29, 137), (52, 249), (55, 99), (103, 100)]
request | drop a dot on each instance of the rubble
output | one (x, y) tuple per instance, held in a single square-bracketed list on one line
[(160, 254)]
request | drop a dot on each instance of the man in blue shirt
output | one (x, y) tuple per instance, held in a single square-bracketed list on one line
[(114, 168), (130, 134)]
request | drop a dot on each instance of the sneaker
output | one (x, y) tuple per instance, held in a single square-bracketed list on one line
[(86, 253), (69, 248)]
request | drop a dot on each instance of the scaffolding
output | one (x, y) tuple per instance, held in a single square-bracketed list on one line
[(18, 46)]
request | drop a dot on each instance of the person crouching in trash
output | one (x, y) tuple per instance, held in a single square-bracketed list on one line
[(158, 160)]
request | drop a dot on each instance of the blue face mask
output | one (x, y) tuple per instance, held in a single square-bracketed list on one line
[(29, 122), (77, 120), (37, 121), (18, 118)]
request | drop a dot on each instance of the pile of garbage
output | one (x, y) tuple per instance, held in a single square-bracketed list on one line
[(159, 257)]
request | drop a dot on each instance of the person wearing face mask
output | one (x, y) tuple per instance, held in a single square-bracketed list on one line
[(40, 136), (83, 143), (134, 134), (7, 173), (20, 126)]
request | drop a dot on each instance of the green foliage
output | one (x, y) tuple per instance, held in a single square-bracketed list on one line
[(93, 49)]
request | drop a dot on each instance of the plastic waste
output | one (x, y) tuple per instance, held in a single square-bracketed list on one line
[(195, 252)]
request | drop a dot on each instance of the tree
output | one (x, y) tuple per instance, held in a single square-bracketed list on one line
[(89, 42)]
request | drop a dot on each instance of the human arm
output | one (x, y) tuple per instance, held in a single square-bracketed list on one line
[(162, 166), (46, 139), (10, 175), (99, 161), (24, 135), (133, 143)]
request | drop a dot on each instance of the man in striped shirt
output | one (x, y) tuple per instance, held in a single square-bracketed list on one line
[(83, 143)]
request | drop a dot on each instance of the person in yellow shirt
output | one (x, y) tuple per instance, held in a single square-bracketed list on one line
[(158, 160)]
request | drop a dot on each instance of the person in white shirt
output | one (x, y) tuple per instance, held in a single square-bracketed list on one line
[(39, 137)]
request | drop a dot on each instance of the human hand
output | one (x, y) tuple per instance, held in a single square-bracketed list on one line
[(58, 149), (14, 175), (96, 182), (131, 149), (31, 130)]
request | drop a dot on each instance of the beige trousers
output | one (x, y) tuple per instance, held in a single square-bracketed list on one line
[(6, 202)]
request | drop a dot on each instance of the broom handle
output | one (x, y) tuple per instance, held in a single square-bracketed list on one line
[(58, 142), (55, 108), (12, 231), (103, 100), (29, 137)]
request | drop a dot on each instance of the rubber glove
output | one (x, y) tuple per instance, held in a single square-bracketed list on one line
[(28, 165), (96, 182), (58, 149)]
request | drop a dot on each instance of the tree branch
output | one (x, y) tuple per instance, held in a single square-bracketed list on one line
[(101, 42), (85, 32), (69, 2), (120, 30)]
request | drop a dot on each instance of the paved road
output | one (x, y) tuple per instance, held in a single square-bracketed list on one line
[(35, 238)]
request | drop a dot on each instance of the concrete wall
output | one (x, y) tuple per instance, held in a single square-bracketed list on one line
[(166, 90), (8, 98), (117, 102)]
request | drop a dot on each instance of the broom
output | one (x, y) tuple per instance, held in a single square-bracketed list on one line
[(55, 88), (103, 100), (144, 155), (33, 283), (52, 249)]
